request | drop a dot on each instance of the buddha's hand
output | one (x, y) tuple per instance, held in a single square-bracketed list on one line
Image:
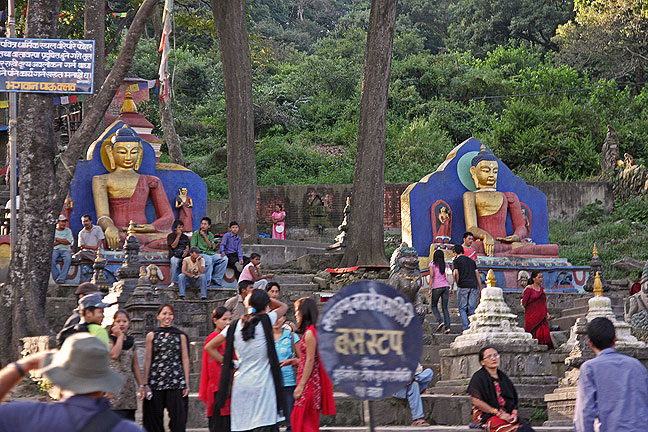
[(489, 245), (509, 239), (112, 237), (144, 228)]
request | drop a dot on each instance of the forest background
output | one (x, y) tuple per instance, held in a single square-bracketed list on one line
[(537, 81)]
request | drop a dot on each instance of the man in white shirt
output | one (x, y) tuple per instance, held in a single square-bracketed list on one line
[(89, 240)]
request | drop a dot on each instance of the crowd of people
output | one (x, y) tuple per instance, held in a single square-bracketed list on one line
[(185, 269), (466, 278), (259, 370)]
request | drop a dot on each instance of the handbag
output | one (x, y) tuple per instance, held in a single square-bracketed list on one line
[(279, 228)]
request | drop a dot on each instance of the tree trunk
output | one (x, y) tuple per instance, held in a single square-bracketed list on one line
[(94, 28), (365, 244), (44, 185), (231, 26), (23, 300), (171, 137)]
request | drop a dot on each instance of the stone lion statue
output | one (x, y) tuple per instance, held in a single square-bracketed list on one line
[(636, 309), (405, 276)]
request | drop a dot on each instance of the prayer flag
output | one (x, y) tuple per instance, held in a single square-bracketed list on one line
[(4, 104), (65, 100), (164, 48)]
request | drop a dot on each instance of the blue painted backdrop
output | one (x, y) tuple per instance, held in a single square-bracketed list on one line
[(448, 186), (81, 186)]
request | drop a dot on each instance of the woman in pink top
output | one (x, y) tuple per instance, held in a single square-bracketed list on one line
[(439, 288), (278, 223)]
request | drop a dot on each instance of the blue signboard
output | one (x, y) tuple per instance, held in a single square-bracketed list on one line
[(370, 340), (46, 65)]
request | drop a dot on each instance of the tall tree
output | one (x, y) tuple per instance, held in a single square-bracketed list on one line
[(171, 137), (45, 178), (365, 245), (231, 27), (94, 28), (608, 38), (482, 25)]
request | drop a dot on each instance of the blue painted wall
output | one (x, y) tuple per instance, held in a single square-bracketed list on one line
[(446, 185), (81, 186)]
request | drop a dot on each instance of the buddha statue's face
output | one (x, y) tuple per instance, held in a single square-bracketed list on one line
[(485, 174), (127, 155)]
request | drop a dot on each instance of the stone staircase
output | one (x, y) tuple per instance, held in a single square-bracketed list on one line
[(568, 316), (440, 409)]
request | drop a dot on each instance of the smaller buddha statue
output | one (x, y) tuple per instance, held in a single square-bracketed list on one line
[(444, 223), (184, 204), (486, 209), (121, 195)]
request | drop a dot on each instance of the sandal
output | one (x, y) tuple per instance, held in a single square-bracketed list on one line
[(447, 331), (420, 422), (440, 326)]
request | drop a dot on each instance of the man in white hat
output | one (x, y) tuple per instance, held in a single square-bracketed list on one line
[(81, 369), (63, 240)]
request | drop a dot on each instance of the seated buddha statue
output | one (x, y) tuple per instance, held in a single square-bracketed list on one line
[(486, 209), (121, 195)]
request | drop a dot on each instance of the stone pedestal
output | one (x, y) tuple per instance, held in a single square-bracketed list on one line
[(99, 277), (521, 358), (142, 305), (128, 273), (561, 402)]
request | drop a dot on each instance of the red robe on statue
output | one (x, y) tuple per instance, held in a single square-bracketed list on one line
[(535, 316)]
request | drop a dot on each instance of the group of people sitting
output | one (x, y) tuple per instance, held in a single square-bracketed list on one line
[(197, 261), (200, 262)]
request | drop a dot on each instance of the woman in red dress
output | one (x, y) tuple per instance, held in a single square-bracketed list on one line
[(211, 372), (536, 314), (314, 391)]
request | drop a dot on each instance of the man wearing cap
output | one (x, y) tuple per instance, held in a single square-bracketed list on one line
[(63, 240), (193, 273), (82, 290), (83, 407), (91, 311)]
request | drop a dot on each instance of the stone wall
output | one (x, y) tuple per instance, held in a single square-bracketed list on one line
[(312, 205), (565, 199)]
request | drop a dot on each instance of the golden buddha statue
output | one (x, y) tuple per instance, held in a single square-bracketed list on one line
[(121, 195), (486, 209)]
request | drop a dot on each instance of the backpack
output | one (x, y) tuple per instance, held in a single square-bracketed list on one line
[(69, 331)]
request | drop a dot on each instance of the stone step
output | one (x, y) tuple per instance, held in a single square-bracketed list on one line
[(582, 301), (293, 278), (566, 322), (289, 242), (278, 254), (438, 409)]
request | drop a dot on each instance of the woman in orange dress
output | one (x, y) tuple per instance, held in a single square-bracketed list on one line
[(314, 391), (536, 314)]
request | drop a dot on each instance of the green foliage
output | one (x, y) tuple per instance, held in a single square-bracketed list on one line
[(546, 120), (616, 235), (592, 213), (480, 26)]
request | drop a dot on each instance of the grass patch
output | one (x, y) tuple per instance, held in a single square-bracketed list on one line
[(617, 235)]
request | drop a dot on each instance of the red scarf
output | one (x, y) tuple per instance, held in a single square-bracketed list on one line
[(328, 402), (210, 377)]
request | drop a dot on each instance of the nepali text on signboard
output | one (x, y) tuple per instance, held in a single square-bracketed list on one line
[(370, 340), (46, 65)]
